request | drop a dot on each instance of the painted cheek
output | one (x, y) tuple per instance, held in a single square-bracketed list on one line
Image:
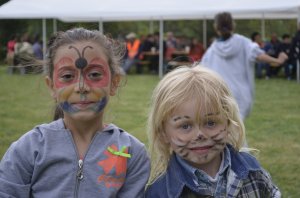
[(100, 105), (67, 107), (63, 61), (58, 84), (63, 96), (178, 142), (104, 82), (221, 136), (64, 93), (97, 94)]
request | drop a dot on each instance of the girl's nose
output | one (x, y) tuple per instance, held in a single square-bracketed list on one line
[(82, 87), (200, 134)]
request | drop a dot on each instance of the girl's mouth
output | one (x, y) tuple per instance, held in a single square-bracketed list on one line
[(201, 149), (82, 104)]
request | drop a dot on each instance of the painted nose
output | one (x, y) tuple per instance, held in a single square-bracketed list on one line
[(200, 134), (81, 86)]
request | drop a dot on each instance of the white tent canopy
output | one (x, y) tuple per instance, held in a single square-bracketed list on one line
[(129, 10)]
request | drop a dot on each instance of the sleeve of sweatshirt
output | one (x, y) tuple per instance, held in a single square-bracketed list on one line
[(137, 174), (16, 167), (253, 51)]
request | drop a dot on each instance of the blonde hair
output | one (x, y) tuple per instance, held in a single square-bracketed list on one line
[(184, 83)]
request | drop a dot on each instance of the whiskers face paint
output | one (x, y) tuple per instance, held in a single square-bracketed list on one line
[(178, 142), (199, 141)]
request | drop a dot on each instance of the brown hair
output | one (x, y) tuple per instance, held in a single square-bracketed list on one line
[(224, 24)]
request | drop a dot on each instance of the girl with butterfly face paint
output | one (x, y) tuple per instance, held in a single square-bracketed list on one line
[(78, 155), (195, 137)]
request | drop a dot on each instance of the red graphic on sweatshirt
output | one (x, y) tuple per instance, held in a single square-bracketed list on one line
[(114, 179)]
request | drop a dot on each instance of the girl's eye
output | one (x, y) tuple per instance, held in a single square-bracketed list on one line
[(210, 123), (186, 126), (67, 77), (95, 75)]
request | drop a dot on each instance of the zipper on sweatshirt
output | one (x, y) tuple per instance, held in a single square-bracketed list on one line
[(80, 173), (79, 176)]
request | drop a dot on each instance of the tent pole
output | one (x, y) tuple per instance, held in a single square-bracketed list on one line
[(263, 27), (161, 48), (54, 26), (100, 24), (151, 29), (298, 71), (204, 33), (44, 43)]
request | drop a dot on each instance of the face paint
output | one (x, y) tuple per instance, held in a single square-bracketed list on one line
[(97, 107), (81, 80), (178, 142), (80, 63), (199, 141)]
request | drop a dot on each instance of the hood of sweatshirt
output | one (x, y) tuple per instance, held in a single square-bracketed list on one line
[(227, 48)]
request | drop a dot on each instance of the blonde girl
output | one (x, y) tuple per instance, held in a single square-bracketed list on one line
[(195, 135)]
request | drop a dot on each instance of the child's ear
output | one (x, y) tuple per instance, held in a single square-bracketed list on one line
[(50, 85), (115, 84)]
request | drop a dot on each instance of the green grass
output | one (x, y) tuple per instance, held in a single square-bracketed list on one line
[(273, 126)]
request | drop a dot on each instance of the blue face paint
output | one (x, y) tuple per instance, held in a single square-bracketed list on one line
[(67, 107), (98, 107)]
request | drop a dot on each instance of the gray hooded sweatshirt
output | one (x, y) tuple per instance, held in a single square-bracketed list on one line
[(44, 163), (234, 60)]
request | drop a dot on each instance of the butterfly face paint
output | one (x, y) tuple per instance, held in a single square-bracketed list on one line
[(198, 141), (81, 78)]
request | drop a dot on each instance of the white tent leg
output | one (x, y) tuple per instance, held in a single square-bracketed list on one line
[(263, 27), (161, 48), (298, 71), (151, 27), (54, 26), (100, 24), (44, 43)]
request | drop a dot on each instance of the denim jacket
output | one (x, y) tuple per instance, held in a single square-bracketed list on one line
[(246, 178)]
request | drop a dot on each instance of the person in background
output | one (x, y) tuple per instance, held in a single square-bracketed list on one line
[(233, 56), (272, 48), (295, 46), (132, 55), (195, 139), (17, 47), (290, 64), (10, 48), (171, 45), (196, 50), (156, 37), (78, 154), (148, 45), (37, 47), (260, 66)]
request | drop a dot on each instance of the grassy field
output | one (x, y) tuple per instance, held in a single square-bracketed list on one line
[(273, 126)]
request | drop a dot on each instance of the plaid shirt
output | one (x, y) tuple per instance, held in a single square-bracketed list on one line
[(245, 179)]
